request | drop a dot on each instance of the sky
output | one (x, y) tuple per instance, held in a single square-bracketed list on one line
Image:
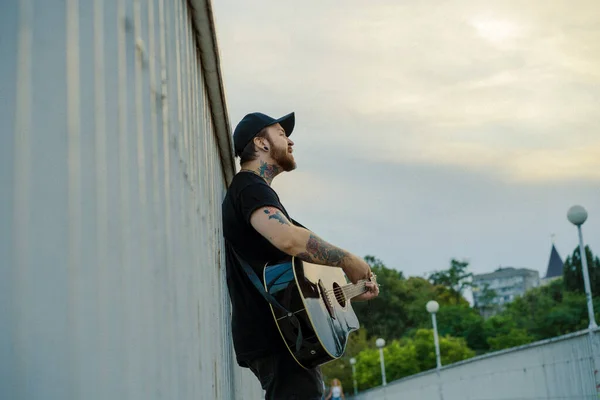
[(429, 130)]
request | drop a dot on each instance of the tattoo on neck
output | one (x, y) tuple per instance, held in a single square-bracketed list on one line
[(320, 252), (265, 171), (268, 171)]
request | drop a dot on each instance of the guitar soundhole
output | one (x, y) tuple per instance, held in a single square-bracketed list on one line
[(339, 294)]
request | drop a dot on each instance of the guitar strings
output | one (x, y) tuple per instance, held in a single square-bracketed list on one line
[(352, 290), (342, 291), (348, 291), (350, 286), (349, 295)]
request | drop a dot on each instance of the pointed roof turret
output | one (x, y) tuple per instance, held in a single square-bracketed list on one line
[(555, 264)]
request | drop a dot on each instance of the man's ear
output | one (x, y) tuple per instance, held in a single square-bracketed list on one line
[(260, 143), (256, 142)]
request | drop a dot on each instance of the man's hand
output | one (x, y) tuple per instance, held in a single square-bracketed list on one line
[(373, 291), (356, 269)]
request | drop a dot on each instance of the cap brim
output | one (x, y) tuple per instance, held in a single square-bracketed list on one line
[(287, 122)]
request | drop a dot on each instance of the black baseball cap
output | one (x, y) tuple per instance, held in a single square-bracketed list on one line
[(253, 123)]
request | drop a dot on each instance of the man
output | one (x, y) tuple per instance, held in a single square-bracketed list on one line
[(258, 229)]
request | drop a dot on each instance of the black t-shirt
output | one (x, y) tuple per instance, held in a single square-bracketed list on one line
[(253, 328)]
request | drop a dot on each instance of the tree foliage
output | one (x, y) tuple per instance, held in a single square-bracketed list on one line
[(400, 361), (386, 315), (408, 356), (485, 300), (456, 278), (464, 322), (400, 307), (543, 312), (573, 275), (398, 315), (341, 368), (515, 337)]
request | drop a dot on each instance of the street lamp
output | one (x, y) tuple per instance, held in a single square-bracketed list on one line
[(432, 308), (380, 343), (577, 216), (353, 363)]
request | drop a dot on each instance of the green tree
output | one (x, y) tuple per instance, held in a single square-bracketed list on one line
[(515, 337), (451, 349), (420, 292), (341, 368), (485, 299), (408, 356), (573, 275), (456, 277), (463, 321), (543, 312), (568, 315), (500, 324), (400, 307), (386, 315), (502, 332), (400, 361), (368, 373), (531, 310)]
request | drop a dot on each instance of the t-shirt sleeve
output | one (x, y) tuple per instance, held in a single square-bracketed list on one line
[(254, 197)]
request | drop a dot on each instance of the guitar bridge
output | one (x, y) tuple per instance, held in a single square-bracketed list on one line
[(326, 300)]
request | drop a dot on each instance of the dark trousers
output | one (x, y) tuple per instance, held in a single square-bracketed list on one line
[(284, 379)]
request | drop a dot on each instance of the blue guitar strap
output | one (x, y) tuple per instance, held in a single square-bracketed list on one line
[(269, 298)]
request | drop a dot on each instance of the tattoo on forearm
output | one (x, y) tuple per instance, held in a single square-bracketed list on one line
[(319, 251), (275, 214)]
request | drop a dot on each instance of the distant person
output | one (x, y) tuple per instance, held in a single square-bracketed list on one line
[(335, 391), (258, 230)]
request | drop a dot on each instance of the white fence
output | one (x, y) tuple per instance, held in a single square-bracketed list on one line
[(564, 368), (114, 157)]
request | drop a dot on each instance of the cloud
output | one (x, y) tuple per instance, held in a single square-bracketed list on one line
[(427, 129), (430, 82), (417, 217)]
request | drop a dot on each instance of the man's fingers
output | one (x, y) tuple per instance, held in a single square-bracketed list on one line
[(372, 287)]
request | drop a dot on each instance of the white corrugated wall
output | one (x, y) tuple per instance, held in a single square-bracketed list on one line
[(111, 178), (563, 368)]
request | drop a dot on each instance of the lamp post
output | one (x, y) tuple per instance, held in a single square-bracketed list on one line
[(577, 216), (432, 307), (380, 343), (353, 363)]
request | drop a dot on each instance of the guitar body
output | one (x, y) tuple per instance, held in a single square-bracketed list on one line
[(313, 293)]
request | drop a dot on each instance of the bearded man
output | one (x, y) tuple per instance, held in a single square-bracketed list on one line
[(258, 229)]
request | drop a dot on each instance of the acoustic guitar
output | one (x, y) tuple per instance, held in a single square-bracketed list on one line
[(320, 317)]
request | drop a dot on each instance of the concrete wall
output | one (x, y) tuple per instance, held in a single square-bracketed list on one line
[(112, 171), (560, 368)]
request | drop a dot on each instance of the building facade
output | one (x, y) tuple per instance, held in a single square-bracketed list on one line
[(115, 155), (506, 284)]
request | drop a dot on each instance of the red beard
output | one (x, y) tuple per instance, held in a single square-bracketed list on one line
[(283, 158)]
